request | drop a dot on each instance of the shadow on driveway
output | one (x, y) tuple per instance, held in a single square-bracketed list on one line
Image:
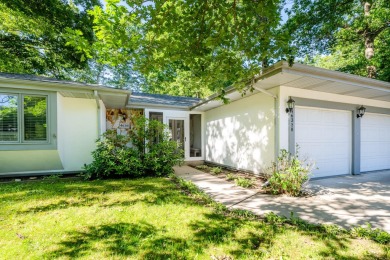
[(345, 201)]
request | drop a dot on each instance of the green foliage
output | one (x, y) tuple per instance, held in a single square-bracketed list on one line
[(216, 170), (230, 176), (244, 182), (376, 234), (355, 34), (191, 48), (33, 36), (146, 151), (288, 174)]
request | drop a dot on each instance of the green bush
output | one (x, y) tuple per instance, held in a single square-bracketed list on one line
[(216, 170), (288, 174), (231, 177), (146, 151), (376, 234), (244, 182)]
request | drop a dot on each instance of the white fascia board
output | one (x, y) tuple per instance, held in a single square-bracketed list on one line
[(57, 86), (337, 76), (155, 106)]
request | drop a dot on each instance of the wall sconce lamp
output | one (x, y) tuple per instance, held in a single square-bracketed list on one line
[(290, 105), (360, 111)]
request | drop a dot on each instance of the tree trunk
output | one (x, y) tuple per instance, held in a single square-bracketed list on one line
[(369, 38)]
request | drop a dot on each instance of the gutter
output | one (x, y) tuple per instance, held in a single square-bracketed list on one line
[(228, 90), (147, 105)]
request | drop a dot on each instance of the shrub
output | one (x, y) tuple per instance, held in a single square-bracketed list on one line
[(377, 235), (231, 177), (146, 151), (288, 174), (244, 182), (216, 170)]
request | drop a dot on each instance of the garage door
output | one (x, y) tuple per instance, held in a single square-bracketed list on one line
[(375, 142), (325, 137)]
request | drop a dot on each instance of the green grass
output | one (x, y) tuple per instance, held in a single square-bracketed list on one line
[(154, 218)]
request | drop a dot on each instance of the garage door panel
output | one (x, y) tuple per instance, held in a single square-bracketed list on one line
[(324, 136), (375, 142)]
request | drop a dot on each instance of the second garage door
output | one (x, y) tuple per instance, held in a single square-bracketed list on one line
[(375, 138), (325, 137)]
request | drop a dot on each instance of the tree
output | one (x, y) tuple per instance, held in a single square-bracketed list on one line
[(188, 47), (354, 32), (32, 36)]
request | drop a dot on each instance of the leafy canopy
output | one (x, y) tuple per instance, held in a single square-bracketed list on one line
[(347, 35), (188, 47), (32, 36)]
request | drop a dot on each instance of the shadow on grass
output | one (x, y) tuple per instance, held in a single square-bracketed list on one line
[(143, 240), (123, 239), (65, 194), (247, 237)]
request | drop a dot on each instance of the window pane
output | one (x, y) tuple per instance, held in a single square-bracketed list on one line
[(8, 117), (35, 118)]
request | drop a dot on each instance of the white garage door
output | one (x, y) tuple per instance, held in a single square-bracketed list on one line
[(325, 137), (375, 142)]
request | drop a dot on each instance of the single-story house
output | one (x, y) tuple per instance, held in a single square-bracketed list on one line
[(339, 121)]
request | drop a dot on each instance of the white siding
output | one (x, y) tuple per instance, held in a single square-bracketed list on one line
[(77, 131), (241, 134)]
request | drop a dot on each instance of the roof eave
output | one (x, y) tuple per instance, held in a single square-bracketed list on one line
[(146, 105), (52, 85)]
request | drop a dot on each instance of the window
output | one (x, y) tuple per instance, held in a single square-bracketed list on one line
[(156, 116), (35, 118), (23, 122), (8, 117)]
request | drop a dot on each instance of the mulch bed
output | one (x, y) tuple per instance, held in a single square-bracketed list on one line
[(225, 173)]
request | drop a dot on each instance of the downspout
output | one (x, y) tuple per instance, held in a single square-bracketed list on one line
[(99, 123), (276, 119)]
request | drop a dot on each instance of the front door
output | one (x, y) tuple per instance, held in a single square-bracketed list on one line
[(176, 127)]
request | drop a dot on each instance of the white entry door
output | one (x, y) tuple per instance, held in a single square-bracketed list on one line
[(325, 137), (178, 127), (375, 142)]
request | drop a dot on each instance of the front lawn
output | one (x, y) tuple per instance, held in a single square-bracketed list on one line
[(150, 218)]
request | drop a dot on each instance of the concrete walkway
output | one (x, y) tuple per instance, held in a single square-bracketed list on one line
[(345, 201)]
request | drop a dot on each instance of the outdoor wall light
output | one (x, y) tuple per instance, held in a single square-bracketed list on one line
[(290, 105), (360, 111)]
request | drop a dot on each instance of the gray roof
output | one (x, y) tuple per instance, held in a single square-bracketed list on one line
[(163, 100)]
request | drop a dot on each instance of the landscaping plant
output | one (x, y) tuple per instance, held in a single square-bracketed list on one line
[(216, 170), (147, 150), (288, 174), (244, 182)]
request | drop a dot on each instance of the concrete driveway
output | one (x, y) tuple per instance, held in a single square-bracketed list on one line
[(345, 201)]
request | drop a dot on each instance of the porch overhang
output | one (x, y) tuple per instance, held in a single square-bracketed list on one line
[(111, 97)]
